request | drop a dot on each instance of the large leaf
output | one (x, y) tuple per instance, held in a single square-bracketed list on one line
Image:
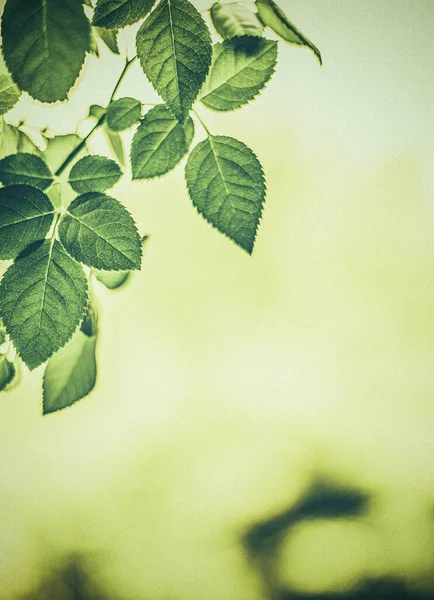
[(174, 47), (99, 232), (240, 70), (235, 20), (43, 297), (226, 184), (159, 143), (94, 174), (25, 168), (26, 215), (120, 13), (273, 16), (9, 94), (123, 113), (109, 37), (44, 45), (70, 374)]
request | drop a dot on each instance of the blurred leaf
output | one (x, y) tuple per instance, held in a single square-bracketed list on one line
[(7, 373), (116, 145), (109, 37), (235, 20)]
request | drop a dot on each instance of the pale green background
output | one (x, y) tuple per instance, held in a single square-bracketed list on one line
[(228, 382)]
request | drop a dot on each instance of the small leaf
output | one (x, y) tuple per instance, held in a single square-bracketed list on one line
[(26, 215), (70, 374), (235, 20), (97, 111), (93, 174), (120, 13), (115, 280), (273, 16), (116, 145), (109, 37), (7, 373), (25, 168), (159, 143), (43, 298), (99, 232), (226, 184), (123, 113), (44, 45), (241, 68), (174, 48), (9, 94)]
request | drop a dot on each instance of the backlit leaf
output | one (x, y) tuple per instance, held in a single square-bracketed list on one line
[(9, 94), (109, 37), (93, 174), (174, 48), (159, 143), (234, 20), (120, 13), (25, 168), (226, 184)]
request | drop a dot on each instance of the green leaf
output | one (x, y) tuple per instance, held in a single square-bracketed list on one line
[(26, 215), (96, 111), (235, 20), (109, 37), (93, 46), (9, 94), (99, 232), (174, 47), (70, 374), (120, 13), (159, 143), (273, 16), (7, 373), (123, 113), (8, 138), (115, 280), (43, 297), (241, 68), (226, 184), (44, 45), (93, 174), (116, 145), (25, 168)]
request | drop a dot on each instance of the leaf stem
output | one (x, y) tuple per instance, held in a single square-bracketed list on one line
[(201, 122), (98, 124)]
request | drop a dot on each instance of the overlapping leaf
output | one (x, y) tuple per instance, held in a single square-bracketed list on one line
[(43, 297), (159, 143), (226, 184), (240, 70), (123, 113), (9, 94), (174, 47), (120, 13), (26, 215), (25, 168), (99, 232), (94, 174), (44, 45), (273, 16), (235, 20)]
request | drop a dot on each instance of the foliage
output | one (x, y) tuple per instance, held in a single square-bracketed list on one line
[(61, 248)]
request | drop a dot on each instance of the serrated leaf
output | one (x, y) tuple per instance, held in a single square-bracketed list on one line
[(120, 13), (116, 145), (25, 168), (26, 215), (273, 16), (9, 94), (240, 70), (174, 48), (70, 374), (115, 280), (109, 37), (44, 45), (123, 113), (93, 174), (226, 184), (99, 232), (235, 20), (43, 298), (159, 143)]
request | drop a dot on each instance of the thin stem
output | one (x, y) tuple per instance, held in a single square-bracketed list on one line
[(98, 124), (202, 123)]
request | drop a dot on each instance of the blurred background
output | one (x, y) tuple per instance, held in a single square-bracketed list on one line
[(262, 426)]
